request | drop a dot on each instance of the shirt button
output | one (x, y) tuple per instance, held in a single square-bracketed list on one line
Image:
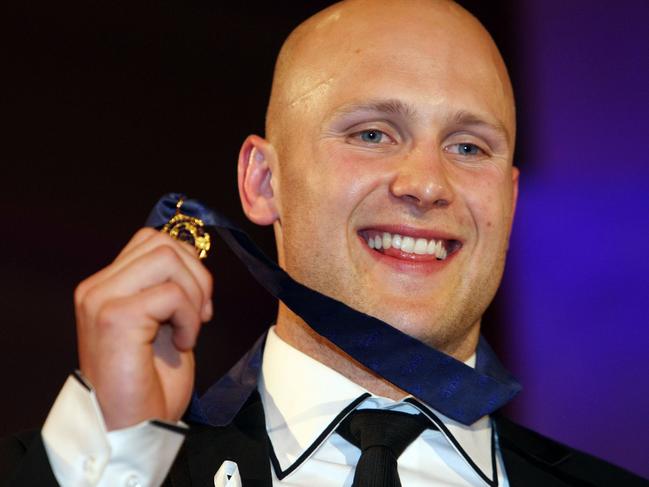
[(133, 481), (89, 465)]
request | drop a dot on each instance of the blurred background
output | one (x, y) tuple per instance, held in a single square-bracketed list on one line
[(106, 106)]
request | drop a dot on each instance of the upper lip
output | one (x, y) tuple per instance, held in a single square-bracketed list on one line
[(408, 231)]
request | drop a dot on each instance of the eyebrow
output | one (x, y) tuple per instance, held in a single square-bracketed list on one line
[(466, 118), (391, 106)]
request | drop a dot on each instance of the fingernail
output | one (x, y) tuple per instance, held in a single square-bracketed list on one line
[(207, 310)]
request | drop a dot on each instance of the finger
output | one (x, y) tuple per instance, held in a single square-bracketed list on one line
[(189, 256), (186, 251), (150, 269), (148, 241), (140, 236), (140, 315), (168, 303), (151, 235)]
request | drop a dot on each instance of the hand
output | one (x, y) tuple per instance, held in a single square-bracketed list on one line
[(137, 324)]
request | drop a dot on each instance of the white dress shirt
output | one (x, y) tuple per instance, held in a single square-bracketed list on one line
[(301, 399), (83, 454)]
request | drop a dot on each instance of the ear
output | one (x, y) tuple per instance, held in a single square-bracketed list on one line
[(515, 175), (257, 158)]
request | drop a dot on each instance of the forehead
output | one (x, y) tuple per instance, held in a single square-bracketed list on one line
[(434, 62)]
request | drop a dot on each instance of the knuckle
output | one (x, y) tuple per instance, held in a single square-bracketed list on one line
[(165, 253), (89, 300), (166, 239), (110, 315), (80, 292), (144, 233), (174, 293), (163, 238)]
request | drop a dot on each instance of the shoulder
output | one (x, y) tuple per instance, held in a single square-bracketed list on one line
[(527, 453), (13, 449), (23, 461)]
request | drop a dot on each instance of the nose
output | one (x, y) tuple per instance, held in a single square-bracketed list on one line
[(422, 180)]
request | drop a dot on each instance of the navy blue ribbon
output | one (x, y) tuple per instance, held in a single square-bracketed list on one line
[(444, 383)]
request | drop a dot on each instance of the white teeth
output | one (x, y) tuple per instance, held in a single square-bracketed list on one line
[(408, 244), (387, 240), (378, 242), (444, 253), (420, 246), (440, 251)]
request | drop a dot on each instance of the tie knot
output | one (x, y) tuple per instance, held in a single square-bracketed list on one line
[(367, 428)]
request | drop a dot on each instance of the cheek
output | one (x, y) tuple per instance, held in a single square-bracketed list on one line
[(333, 181), (318, 197), (354, 174), (488, 199)]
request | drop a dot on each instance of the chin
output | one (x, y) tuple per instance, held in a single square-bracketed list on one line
[(422, 324)]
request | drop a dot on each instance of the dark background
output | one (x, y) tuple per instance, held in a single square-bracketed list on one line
[(108, 106)]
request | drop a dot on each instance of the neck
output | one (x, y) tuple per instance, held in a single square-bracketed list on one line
[(294, 331)]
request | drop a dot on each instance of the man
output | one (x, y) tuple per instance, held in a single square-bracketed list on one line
[(387, 175)]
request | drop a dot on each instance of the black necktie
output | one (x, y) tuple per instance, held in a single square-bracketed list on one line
[(382, 437)]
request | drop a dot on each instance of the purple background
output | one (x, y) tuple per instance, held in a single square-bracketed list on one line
[(577, 287)]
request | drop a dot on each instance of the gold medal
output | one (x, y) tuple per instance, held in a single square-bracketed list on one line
[(188, 229)]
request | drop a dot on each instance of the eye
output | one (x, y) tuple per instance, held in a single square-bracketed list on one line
[(374, 136), (465, 149), (371, 137)]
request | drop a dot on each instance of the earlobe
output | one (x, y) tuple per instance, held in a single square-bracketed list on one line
[(255, 171)]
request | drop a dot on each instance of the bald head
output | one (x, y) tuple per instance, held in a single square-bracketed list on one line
[(390, 117), (354, 34)]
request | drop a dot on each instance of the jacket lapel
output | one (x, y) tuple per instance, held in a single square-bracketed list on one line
[(243, 441), (532, 460)]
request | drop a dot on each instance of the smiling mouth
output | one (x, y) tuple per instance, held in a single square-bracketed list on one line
[(408, 247)]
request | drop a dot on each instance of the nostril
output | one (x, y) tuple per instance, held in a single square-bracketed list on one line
[(416, 201), (441, 203), (411, 199)]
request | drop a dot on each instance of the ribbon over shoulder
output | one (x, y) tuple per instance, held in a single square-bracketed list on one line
[(444, 383)]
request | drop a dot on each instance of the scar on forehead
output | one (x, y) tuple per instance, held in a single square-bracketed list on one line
[(319, 89), (333, 17)]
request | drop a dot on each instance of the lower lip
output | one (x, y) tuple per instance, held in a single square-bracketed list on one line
[(407, 262)]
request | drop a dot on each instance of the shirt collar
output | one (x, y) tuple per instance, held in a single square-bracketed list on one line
[(298, 410)]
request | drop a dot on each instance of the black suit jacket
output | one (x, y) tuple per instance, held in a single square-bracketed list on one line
[(227, 423), (531, 460)]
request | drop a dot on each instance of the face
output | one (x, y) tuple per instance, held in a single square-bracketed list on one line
[(395, 188)]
